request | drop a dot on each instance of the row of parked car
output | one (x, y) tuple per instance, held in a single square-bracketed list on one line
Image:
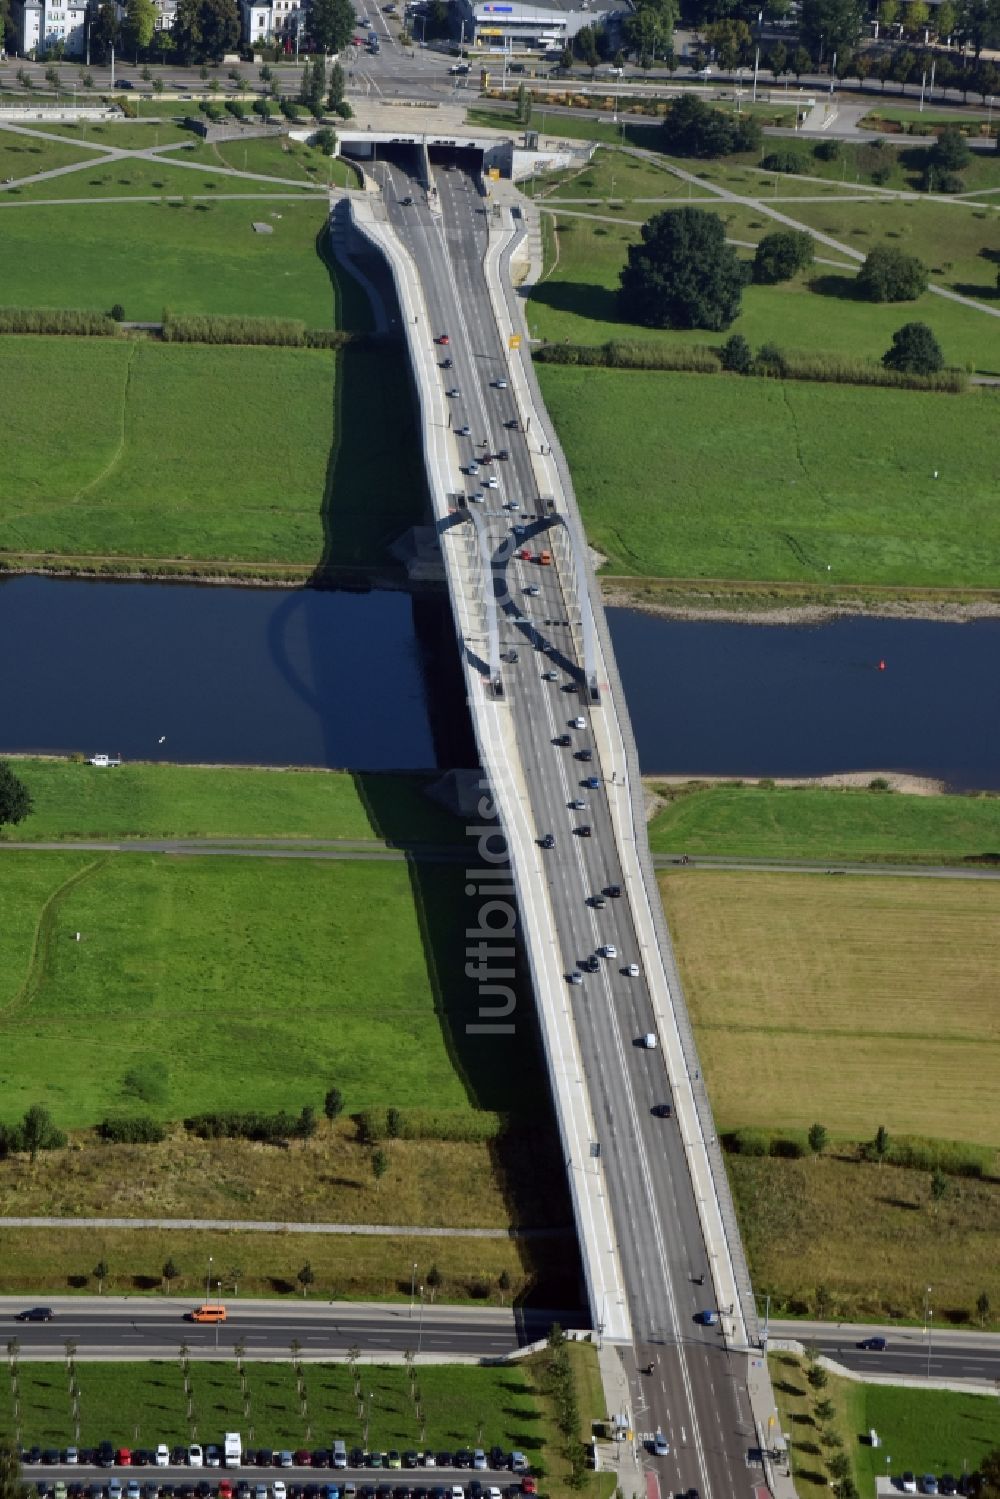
[(337, 1456), (225, 1488), (969, 1484)]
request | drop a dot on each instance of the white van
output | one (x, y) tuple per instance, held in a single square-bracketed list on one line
[(339, 1455)]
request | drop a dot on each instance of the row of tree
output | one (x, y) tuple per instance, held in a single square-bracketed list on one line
[(204, 30)]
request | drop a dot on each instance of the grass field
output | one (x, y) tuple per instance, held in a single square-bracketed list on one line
[(125, 135), (22, 155), (141, 1404), (514, 1179), (188, 964), (925, 1431), (825, 825), (142, 176), (189, 257), (656, 486), (854, 1242), (577, 299), (857, 1002), (281, 472), (192, 801), (59, 1261), (278, 156)]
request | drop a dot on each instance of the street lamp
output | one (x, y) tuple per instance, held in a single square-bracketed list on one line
[(420, 1329), (413, 1278), (208, 1280), (218, 1284)]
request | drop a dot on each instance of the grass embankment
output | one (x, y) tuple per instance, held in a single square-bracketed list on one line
[(925, 1431), (838, 1000), (75, 800), (814, 823), (177, 452), (811, 458), (187, 965), (23, 155), (238, 271), (123, 177)]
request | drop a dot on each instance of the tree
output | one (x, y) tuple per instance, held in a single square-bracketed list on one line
[(37, 1132), (916, 17), (692, 128), (915, 351), (881, 1143), (186, 31), (825, 1409), (523, 105), (904, 66), (731, 40), (890, 275), (817, 1376), (100, 1273), (336, 86), (817, 1138), (305, 1277), (888, 13), (979, 23), (585, 46), (780, 255), (840, 1465), (305, 1127), (983, 1308), (939, 1187), (393, 1123), (105, 30), (800, 62), (432, 1280), (140, 23), (333, 1104), (169, 1273), (736, 355), (989, 1473), (380, 1165), (950, 151), (15, 798), (945, 19), (777, 59), (828, 25), (503, 1285), (11, 1486), (683, 274)]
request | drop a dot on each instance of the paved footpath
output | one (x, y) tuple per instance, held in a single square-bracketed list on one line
[(260, 1226)]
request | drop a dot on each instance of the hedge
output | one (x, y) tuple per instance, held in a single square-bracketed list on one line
[(46, 320)]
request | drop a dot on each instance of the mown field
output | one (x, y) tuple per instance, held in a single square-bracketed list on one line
[(203, 453), (142, 1404), (855, 1002), (190, 257), (813, 822), (74, 800), (23, 155), (817, 311), (924, 1431), (193, 976), (826, 491)]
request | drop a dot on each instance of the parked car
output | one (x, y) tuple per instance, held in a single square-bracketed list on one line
[(213, 1457), (162, 1456), (909, 1483)]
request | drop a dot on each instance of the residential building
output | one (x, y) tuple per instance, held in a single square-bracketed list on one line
[(41, 25)]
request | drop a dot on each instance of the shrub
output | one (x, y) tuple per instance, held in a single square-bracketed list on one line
[(783, 161), (752, 1142), (936, 180), (950, 151), (787, 1149), (118, 313), (207, 329), (770, 360), (780, 255), (371, 1126), (736, 355), (269, 1129), (325, 140), (914, 350), (343, 110), (42, 320), (827, 150), (890, 275), (142, 1130)]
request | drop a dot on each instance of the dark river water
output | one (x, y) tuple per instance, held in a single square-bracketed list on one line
[(371, 681)]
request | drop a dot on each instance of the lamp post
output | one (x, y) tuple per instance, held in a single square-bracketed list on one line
[(930, 1338), (218, 1284), (208, 1279), (420, 1329), (413, 1281)]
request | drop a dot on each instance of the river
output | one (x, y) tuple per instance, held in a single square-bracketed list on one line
[(371, 681)]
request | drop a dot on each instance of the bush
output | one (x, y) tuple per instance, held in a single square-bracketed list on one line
[(692, 128), (269, 1129), (343, 110), (633, 356), (914, 350), (325, 140), (950, 151), (787, 1149), (141, 1130), (936, 180), (780, 255), (752, 1142), (82, 324), (827, 150), (783, 161), (207, 329), (118, 313), (889, 275), (770, 360), (736, 355)]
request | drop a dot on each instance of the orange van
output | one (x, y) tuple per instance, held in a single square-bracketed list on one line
[(210, 1311)]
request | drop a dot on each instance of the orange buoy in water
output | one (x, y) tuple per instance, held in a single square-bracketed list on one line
[(881, 666)]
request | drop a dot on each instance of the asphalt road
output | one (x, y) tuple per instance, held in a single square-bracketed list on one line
[(944, 1354), (695, 1393), (148, 1328)]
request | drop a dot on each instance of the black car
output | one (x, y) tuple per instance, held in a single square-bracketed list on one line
[(242, 1489), (446, 364), (105, 1455), (409, 1458), (947, 1484), (86, 1457), (598, 902), (583, 831), (265, 1457), (562, 740), (311, 1491), (873, 1345), (584, 755), (178, 1457), (614, 891), (406, 202), (402, 1491), (167, 1491), (502, 454), (463, 1458), (203, 1489), (31, 1455), (321, 1458), (36, 1314), (498, 1457), (591, 964), (513, 425), (547, 842), (662, 1110), (357, 1457)]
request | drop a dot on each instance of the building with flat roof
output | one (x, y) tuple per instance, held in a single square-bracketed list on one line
[(512, 26)]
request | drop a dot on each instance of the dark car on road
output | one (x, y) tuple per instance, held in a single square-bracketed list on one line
[(36, 1314), (662, 1110), (873, 1345)]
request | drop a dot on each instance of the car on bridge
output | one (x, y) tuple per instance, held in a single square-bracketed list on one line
[(453, 392), (442, 338), (36, 1314), (661, 1110), (500, 384), (578, 722), (577, 804), (462, 431), (592, 783), (609, 950), (574, 977), (550, 675), (583, 831), (707, 1318), (561, 741), (584, 754), (631, 971), (873, 1345), (548, 841)]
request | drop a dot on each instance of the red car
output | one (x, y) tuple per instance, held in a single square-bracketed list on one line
[(124, 1458), (303, 1459), (524, 555), (442, 338), (528, 1485), (225, 1488)]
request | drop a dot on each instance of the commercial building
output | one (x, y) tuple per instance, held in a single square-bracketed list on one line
[(511, 26)]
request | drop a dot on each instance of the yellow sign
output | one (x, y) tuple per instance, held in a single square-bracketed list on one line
[(494, 174), (514, 342)]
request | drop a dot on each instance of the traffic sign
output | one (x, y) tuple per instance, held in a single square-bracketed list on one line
[(514, 342)]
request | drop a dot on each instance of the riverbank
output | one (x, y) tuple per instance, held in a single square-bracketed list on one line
[(776, 603)]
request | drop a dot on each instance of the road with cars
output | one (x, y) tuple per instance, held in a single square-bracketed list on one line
[(693, 1391), (155, 1327), (934, 1353)]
